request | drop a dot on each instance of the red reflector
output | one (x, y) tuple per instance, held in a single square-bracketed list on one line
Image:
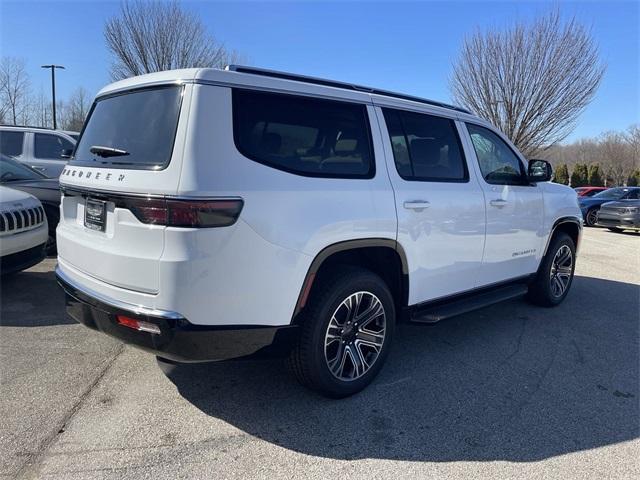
[(128, 322), (138, 324), (306, 290)]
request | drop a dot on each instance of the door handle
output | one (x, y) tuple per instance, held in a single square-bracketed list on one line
[(498, 202), (416, 204), (40, 169)]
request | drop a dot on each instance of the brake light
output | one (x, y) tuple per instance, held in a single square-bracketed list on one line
[(139, 325), (184, 213)]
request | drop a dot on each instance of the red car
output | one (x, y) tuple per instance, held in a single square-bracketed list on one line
[(588, 191)]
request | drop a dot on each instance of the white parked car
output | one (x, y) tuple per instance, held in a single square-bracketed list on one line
[(23, 230), (46, 150), (212, 214)]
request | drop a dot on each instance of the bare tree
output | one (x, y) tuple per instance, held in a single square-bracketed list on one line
[(153, 36), (632, 137), (40, 115), (14, 91), (616, 153), (75, 110), (616, 157), (531, 80)]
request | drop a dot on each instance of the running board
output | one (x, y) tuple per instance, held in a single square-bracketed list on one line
[(439, 311)]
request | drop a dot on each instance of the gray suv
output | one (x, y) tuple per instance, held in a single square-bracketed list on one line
[(40, 148)]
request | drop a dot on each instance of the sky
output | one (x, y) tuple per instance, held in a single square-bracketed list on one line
[(405, 46)]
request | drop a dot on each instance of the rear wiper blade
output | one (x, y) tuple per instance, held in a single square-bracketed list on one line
[(107, 151)]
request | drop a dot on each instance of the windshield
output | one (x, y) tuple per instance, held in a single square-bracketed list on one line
[(13, 171), (132, 130), (614, 193)]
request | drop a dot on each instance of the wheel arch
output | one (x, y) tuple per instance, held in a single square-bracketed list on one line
[(572, 226), (371, 253)]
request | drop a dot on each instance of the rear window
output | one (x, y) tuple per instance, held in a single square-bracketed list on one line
[(301, 135), (136, 130)]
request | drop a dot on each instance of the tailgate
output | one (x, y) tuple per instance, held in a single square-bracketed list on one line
[(126, 254), (130, 150)]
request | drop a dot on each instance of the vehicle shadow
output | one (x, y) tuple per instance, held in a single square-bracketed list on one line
[(510, 382), (32, 299), (632, 233)]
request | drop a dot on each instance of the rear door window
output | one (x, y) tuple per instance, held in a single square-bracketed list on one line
[(134, 130), (11, 143), (301, 135), (51, 146), (425, 147)]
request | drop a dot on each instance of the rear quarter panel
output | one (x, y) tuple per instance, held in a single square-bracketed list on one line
[(253, 271), (304, 214)]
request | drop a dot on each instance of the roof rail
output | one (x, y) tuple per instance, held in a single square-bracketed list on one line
[(333, 83), (24, 126)]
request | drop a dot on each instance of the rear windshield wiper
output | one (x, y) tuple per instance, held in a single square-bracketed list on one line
[(107, 151)]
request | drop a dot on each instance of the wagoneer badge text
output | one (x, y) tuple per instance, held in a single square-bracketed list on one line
[(76, 172)]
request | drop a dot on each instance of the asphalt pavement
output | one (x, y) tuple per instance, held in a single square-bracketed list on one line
[(509, 391)]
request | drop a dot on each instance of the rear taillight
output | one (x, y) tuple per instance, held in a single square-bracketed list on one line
[(184, 213), (139, 325)]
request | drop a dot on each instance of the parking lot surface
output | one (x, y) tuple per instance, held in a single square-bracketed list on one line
[(508, 391)]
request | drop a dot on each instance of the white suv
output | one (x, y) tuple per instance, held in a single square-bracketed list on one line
[(23, 231), (210, 214)]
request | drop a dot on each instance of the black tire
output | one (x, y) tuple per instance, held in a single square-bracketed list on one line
[(615, 230), (543, 291), (591, 217), (308, 361)]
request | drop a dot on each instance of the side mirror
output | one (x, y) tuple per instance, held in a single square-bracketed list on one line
[(66, 153), (539, 171)]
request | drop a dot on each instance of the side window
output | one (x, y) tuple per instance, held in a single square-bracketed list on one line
[(50, 146), (305, 136), (425, 147), (11, 143), (633, 194), (498, 164)]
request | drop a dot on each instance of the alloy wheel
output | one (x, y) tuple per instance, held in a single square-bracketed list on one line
[(355, 336), (592, 217), (561, 270)]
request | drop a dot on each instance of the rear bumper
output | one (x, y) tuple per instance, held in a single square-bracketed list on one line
[(16, 262), (179, 340)]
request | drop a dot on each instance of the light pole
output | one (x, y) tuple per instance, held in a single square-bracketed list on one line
[(53, 89)]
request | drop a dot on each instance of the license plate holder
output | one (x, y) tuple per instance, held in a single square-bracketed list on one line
[(95, 214)]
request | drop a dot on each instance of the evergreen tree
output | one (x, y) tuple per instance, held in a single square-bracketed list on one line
[(579, 176), (634, 179), (595, 178), (562, 174)]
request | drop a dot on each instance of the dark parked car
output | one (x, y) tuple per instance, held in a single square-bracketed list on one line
[(590, 205), (22, 177), (621, 215), (589, 191)]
